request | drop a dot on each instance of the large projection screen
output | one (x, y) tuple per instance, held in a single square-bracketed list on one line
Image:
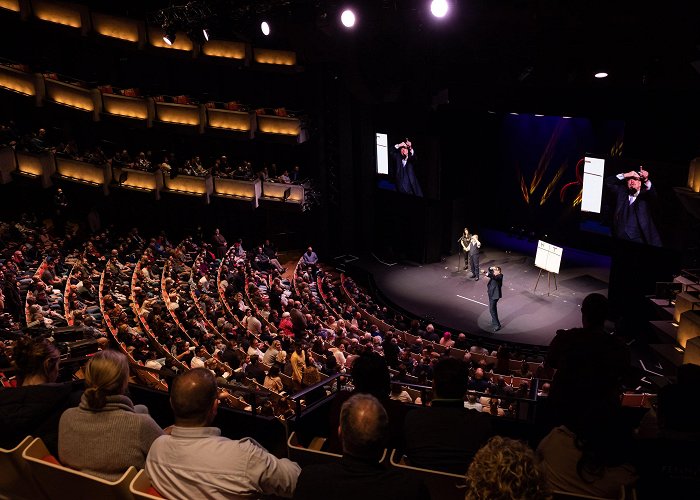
[(592, 184), (548, 256), (382, 154)]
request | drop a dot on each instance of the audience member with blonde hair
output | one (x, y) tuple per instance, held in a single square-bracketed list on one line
[(106, 433), (505, 469)]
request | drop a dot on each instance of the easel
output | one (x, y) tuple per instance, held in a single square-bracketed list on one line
[(549, 281)]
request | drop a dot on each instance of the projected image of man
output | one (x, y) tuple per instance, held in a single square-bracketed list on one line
[(634, 198), (404, 167)]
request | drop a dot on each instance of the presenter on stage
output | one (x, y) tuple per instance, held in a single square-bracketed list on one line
[(404, 162), (495, 282), (464, 247), (634, 200), (474, 249)]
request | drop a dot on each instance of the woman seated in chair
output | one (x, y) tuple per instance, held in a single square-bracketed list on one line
[(107, 433), (35, 406)]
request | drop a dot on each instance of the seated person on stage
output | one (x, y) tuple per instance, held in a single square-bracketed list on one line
[(107, 433), (445, 436), (363, 432), (195, 461)]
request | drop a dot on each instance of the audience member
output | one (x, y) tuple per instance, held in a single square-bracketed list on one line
[(35, 406), (195, 461), (445, 436), (106, 433), (592, 452), (363, 432), (506, 469)]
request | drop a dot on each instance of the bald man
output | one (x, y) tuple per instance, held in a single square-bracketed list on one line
[(195, 461), (363, 431)]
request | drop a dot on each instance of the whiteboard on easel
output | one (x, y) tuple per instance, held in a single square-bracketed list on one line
[(548, 256)]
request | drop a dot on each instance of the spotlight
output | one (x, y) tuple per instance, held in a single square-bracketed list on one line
[(601, 74), (206, 34), (348, 18), (265, 28), (169, 35), (439, 8)]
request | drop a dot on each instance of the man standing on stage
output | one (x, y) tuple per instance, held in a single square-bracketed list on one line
[(494, 288), (474, 250), (464, 247)]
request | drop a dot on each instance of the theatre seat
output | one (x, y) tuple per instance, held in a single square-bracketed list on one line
[(442, 485), (308, 456), (564, 495), (16, 480), (142, 488), (62, 483)]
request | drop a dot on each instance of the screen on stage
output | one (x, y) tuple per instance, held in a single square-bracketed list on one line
[(548, 256), (397, 164), (629, 200), (592, 192), (382, 142)]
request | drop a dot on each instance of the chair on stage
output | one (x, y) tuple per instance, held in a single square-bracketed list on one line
[(63, 483), (16, 479), (442, 485)]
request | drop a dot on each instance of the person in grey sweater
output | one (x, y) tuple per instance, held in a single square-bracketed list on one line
[(106, 433)]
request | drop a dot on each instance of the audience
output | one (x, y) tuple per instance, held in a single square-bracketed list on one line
[(363, 432), (446, 436), (194, 461), (35, 406), (505, 469), (106, 433)]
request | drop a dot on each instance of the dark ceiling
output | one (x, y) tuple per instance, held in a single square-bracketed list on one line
[(398, 48), (487, 51)]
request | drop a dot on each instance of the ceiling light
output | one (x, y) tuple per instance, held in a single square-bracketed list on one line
[(265, 28), (566, 117), (601, 74), (539, 115), (439, 8), (348, 18)]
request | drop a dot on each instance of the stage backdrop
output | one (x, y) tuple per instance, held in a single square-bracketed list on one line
[(537, 163)]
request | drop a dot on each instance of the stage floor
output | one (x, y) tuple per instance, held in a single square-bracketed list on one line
[(444, 295)]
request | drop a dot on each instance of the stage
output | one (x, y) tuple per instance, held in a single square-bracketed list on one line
[(444, 295)]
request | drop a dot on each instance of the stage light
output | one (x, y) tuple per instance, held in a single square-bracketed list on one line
[(514, 114), (206, 34), (539, 115), (265, 28), (348, 18), (566, 117), (439, 8), (601, 74), (169, 35)]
